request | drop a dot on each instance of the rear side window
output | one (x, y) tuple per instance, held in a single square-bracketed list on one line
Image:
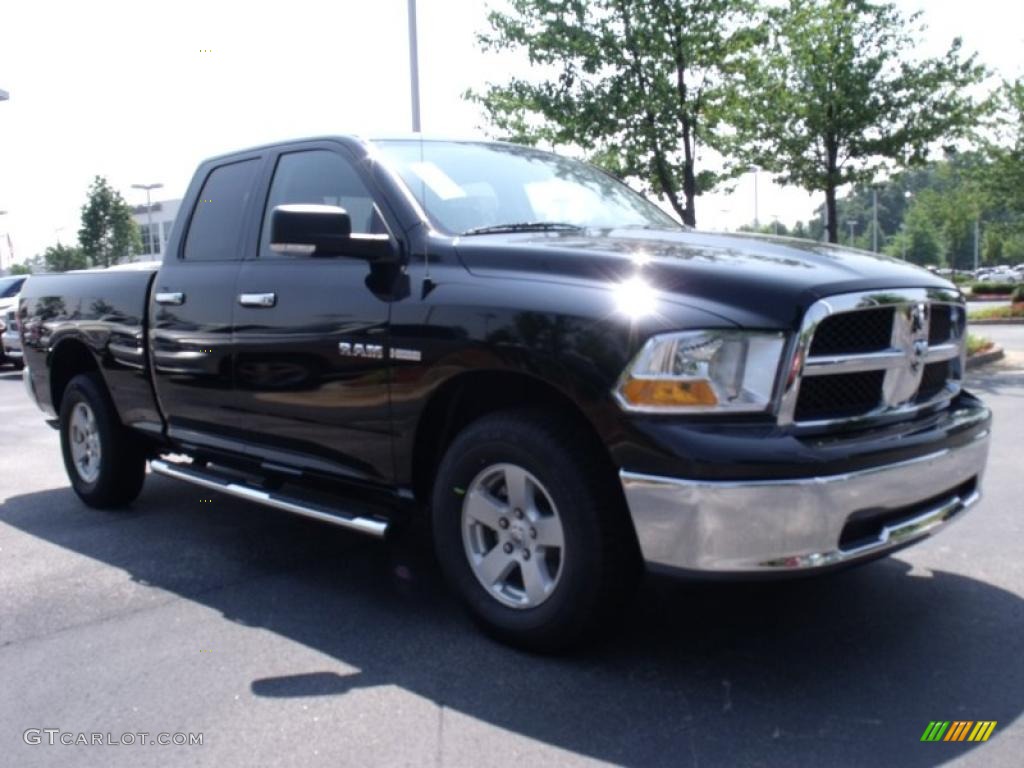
[(216, 227)]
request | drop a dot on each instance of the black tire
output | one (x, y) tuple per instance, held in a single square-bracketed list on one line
[(18, 364), (601, 561), (121, 466)]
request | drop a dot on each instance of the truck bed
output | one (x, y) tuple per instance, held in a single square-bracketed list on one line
[(102, 311)]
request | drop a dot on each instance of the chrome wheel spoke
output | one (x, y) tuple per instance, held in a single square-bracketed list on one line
[(549, 532), (535, 581), (520, 490), (484, 508), (495, 566)]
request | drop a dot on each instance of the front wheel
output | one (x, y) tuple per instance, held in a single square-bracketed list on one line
[(530, 530), (103, 459)]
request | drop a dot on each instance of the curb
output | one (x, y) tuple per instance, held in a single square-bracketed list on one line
[(984, 358)]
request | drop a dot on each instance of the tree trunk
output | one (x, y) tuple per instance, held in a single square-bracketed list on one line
[(689, 213), (831, 182), (830, 213)]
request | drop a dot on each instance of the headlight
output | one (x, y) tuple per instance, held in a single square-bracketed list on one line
[(703, 371)]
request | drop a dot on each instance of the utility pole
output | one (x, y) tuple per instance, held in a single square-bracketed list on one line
[(852, 224), (874, 225), (414, 67), (149, 216)]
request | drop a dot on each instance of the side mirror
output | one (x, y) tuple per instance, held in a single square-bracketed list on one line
[(323, 230)]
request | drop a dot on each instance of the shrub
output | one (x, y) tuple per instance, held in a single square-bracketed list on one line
[(1018, 294), (993, 289)]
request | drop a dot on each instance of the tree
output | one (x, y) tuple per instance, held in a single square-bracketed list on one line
[(638, 85), (1002, 177), (21, 269), (834, 99), (108, 234), (61, 258)]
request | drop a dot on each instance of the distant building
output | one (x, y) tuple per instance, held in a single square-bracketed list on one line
[(163, 214)]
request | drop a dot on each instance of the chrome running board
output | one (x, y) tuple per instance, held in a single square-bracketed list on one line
[(211, 480)]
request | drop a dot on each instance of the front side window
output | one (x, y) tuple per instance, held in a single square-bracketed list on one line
[(470, 185), (215, 231), (322, 177)]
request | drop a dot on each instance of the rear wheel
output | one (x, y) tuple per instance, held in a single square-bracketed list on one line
[(530, 530), (103, 459)]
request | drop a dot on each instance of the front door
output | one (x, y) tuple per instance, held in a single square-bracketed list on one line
[(310, 333)]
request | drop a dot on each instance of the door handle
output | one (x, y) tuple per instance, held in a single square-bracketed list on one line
[(169, 297), (257, 299)]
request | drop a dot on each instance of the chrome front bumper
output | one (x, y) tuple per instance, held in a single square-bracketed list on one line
[(786, 525)]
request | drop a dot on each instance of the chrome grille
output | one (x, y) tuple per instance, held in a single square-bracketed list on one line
[(866, 355)]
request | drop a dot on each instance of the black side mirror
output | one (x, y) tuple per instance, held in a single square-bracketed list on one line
[(323, 230)]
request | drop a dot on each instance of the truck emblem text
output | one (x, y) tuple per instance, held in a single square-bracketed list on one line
[(348, 349)]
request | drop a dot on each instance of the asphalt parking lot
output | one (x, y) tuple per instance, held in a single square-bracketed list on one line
[(287, 642)]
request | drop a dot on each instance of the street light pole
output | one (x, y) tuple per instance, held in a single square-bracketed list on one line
[(852, 224), (149, 212), (414, 67)]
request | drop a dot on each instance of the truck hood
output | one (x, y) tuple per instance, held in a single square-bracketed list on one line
[(754, 281)]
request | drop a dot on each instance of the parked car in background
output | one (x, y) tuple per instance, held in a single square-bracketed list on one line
[(10, 339), (10, 287), (999, 274)]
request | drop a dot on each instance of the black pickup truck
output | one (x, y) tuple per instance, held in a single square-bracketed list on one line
[(567, 382)]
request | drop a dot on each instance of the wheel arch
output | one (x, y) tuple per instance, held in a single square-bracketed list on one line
[(69, 358), (470, 395)]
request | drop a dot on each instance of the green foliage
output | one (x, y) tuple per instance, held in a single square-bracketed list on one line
[(1001, 179), (21, 269), (976, 344), (1018, 295), (108, 234), (993, 289), (62, 258), (1007, 312), (833, 98), (641, 86)]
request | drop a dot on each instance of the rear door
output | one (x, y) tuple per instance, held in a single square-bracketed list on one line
[(311, 374), (192, 302)]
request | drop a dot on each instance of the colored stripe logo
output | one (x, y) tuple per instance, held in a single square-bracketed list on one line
[(958, 730)]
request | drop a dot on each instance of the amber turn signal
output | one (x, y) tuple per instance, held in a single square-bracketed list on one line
[(668, 392)]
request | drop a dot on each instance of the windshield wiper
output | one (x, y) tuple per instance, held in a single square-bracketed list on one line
[(524, 226)]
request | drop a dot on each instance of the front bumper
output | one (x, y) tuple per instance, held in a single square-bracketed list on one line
[(779, 525)]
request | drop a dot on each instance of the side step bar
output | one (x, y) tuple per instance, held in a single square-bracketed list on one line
[(207, 479)]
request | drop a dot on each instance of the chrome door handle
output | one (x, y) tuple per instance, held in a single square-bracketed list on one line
[(257, 299), (169, 297)]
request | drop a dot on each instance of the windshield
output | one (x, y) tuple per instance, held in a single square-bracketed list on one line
[(9, 287), (466, 186)]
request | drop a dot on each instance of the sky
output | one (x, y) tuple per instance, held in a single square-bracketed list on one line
[(141, 92)]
